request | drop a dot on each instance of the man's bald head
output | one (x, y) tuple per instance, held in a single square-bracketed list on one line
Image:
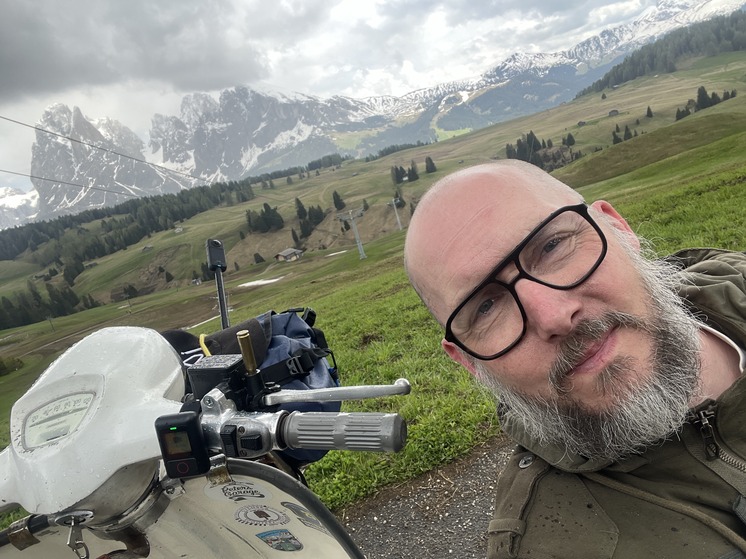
[(467, 222)]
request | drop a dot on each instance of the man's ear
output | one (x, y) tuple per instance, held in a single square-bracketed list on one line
[(455, 353), (615, 220)]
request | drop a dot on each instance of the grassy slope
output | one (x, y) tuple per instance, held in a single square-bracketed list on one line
[(181, 253), (679, 184)]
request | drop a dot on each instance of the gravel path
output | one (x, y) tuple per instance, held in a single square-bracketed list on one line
[(441, 514)]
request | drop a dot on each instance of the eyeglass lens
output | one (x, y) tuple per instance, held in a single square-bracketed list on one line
[(561, 254)]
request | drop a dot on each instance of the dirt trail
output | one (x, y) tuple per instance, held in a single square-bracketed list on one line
[(441, 514)]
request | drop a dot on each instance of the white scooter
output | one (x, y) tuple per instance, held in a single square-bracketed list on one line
[(110, 463)]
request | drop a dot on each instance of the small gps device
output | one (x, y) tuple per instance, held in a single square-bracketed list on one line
[(182, 444), (215, 255)]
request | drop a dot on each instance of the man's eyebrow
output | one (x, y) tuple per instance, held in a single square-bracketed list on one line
[(483, 277)]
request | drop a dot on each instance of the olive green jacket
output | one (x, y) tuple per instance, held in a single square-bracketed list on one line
[(683, 498)]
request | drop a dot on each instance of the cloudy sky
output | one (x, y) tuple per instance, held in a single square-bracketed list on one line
[(131, 59)]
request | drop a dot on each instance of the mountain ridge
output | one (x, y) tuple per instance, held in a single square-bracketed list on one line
[(661, 137), (248, 132)]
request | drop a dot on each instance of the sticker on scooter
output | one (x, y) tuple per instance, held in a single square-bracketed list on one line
[(261, 515), (281, 540), (305, 517), (237, 491)]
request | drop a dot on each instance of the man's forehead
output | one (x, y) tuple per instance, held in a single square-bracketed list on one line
[(484, 239), (477, 219), (468, 242), (488, 210)]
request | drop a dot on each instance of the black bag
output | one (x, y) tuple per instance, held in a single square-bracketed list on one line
[(289, 352)]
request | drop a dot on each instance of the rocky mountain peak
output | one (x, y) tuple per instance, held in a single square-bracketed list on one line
[(245, 132)]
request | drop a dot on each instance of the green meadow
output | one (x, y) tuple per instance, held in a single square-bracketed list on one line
[(679, 184)]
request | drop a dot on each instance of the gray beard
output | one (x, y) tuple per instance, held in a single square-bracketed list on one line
[(643, 412)]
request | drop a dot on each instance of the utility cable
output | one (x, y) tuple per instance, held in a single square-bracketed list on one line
[(81, 186), (101, 188), (98, 147)]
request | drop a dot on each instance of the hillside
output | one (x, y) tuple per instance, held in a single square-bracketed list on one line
[(83, 163), (180, 251)]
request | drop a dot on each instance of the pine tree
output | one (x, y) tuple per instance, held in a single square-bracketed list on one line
[(272, 218), (703, 99), (315, 215), (412, 174), (338, 202), (510, 151), (649, 113), (300, 209), (306, 228), (429, 165), (681, 113), (36, 298), (413, 167)]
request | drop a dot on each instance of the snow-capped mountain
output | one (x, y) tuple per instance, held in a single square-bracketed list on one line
[(16, 207), (95, 162), (246, 132)]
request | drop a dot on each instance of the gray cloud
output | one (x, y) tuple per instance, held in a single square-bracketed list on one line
[(207, 45), (39, 53), (128, 59), (191, 44)]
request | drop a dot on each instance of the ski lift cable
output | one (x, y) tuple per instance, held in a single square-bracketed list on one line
[(59, 181), (93, 187), (40, 129)]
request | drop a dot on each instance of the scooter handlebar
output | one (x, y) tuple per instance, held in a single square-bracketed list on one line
[(365, 431)]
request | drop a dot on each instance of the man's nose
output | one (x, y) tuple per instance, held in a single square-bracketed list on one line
[(550, 312)]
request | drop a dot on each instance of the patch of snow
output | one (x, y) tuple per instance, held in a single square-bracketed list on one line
[(256, 283)]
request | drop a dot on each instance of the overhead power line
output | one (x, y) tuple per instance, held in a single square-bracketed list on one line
[(91, 187), (81, 186), (101, 188), (40, 129)]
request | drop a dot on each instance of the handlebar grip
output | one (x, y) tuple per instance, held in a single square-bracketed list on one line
[(377, 432)]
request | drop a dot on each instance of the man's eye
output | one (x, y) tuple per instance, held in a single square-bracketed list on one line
[(551, 245), (485, 306)]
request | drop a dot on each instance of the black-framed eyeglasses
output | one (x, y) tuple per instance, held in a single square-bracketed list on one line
[(561, 252)]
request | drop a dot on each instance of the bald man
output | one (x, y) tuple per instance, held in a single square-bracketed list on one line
[(619, 376)]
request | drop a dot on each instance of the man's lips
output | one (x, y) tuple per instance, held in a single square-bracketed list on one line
[(596, 355)]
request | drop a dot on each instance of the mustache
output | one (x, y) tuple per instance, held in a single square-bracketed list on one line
[(572, 350)]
